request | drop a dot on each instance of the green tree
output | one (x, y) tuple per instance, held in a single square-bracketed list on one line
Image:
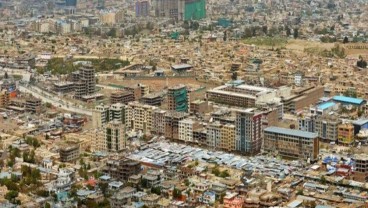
[(346, 40), (11, 195)]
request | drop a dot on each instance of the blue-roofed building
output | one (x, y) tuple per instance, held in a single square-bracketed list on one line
[(349, 100), (360, 124), (324, 108), (293, 144)]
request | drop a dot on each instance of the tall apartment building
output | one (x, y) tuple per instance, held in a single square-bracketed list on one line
[(172, 119), (327, 127), (142, 8), (221, 136), (293, 144), (170, 9), (4, 99), (158, 122), (307, 123), (228, 142), (186, 128), (345, 133), (214, 134), (181, 9), (117, 112), (111, 138), (122, 169), (177, 98), (87, 82), (100, 116), (139, 116), (248, 126)]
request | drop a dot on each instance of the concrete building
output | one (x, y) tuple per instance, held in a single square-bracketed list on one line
[(142, 8), (86, 82), (177, 98), (139, 116), (170, 9), (154, 99), (248, 126), (121, 97), (122, 169), (33, 105), (100, 116), (63, 87), (69, 152), (4, 99), (186, 127), (199, 107), (228, 142), (117, 112), (301, 98), (293, 144), (172, 119), (111, 138), (361, 167), (345, 133), (158, 122), (238, 94), (122, 197), (214, 134), (327, 127), (307, 123)]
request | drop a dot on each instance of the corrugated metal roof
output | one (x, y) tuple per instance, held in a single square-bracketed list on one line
[(356, 101), (291, 132)]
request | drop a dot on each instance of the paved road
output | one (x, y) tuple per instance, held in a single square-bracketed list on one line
[(47, 97)]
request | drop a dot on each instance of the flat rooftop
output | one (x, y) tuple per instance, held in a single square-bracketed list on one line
[(351, 100), (326, 105), (291, 132)]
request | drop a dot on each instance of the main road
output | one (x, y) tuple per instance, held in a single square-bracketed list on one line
[(49, 98)]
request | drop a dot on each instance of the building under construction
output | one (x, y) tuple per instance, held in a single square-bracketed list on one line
[(87, 82), (177, 98), (121, 97)]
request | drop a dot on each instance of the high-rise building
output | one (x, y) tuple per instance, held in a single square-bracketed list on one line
[(111, 138), (186, 127), (248, 131), (327, 127), (214, 134), (87, 82), (139, 116), (172, 119), (142, 8), (345, 133), (290, 143), (158, 122), (177, 98), (4, 99), (181, 9), (71, 3), (307, 123), (102, 114)]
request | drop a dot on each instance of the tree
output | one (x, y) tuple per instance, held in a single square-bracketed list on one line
[(11, 195), (346, 40), (6, 76), (323, 180)]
